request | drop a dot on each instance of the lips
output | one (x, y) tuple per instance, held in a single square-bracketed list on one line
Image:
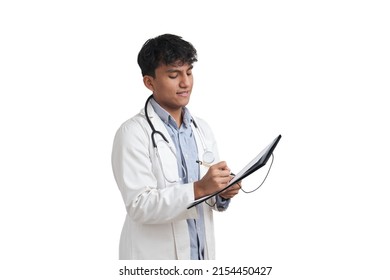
[(183, 94)]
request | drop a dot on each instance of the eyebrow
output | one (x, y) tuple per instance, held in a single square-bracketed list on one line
[(174, 70)]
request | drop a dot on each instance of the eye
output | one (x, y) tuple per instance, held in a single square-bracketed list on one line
[(172, 76)]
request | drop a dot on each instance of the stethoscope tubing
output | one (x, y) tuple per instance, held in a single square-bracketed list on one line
[(154, 131), (208, 156)]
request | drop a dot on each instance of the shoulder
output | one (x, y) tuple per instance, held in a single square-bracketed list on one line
[(133, 127)]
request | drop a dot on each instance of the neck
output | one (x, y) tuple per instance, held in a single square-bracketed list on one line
[(175, 113), (178, 117)]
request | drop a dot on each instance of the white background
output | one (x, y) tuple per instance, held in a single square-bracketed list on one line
[(316, 72)]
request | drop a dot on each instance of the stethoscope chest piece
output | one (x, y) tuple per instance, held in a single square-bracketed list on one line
[(208, 157)]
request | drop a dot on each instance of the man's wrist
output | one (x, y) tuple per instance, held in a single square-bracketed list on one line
[(198, 191)]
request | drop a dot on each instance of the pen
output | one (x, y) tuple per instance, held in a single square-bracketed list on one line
[(203, 163), (208, 165)]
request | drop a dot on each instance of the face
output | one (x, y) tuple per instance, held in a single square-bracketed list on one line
[(172, 86)]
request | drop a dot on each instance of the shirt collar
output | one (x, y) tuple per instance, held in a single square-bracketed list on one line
[(167, 118)]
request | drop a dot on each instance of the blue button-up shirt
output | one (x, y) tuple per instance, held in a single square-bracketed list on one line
[(187, 155)]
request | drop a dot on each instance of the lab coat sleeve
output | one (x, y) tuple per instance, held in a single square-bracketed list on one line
[(146, 199)]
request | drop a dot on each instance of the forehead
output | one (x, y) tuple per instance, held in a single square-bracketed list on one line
[(176, 66)]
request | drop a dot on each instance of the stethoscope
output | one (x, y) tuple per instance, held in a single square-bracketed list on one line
[(207, 157)]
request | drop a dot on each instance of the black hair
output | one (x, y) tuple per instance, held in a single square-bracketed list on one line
[(165, 49)]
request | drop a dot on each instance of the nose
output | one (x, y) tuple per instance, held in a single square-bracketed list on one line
[(185, 81)]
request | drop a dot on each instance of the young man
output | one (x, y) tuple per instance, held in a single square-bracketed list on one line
[(164, 158)]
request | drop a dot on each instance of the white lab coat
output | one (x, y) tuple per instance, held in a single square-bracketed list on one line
[(155, 226)]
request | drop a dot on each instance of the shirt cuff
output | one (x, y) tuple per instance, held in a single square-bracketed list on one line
[(222, 203)]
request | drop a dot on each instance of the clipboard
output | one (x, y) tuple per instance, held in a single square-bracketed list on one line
[(258, 162)]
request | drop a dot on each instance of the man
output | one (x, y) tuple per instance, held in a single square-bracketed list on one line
[(164, 158)]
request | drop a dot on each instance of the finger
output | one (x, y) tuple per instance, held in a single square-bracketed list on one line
[(224, 181), (231, 191), (233, 188), (219, 165), (225, 173)]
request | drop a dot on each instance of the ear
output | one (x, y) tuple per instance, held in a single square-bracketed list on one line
[(148, 82)]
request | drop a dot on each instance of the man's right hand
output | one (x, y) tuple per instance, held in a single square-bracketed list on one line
[(216, 178)]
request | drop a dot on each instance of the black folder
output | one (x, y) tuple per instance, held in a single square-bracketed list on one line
[(259, 161)]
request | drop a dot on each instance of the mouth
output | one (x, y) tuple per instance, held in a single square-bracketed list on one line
[(183, 93)]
